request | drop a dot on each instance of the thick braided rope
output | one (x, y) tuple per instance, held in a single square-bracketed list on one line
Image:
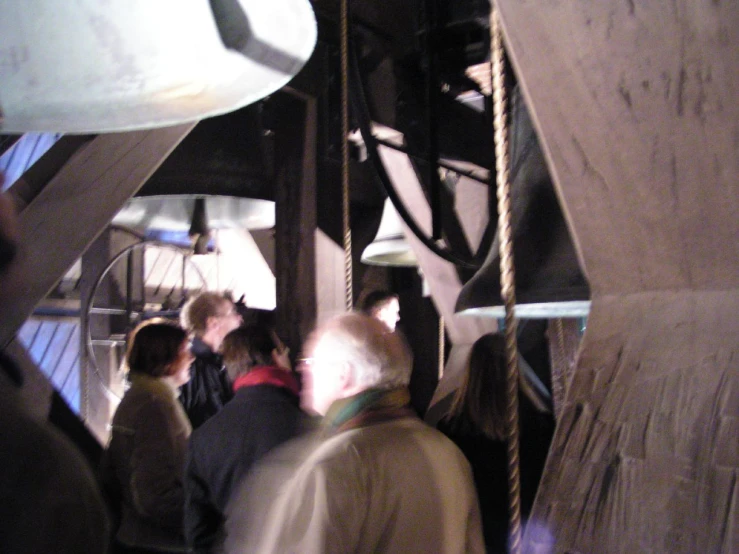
[(346, 224), (507, 278), (442, 344)]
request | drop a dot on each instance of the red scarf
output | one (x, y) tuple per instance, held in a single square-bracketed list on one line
[(268, 375)]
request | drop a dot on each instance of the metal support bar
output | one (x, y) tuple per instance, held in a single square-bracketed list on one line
[(439, 163)]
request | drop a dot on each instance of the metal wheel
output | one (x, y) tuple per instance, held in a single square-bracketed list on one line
[(145, 280)]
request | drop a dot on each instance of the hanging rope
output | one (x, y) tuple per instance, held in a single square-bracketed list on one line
[(442, 344), (344, 47), (507, 278)]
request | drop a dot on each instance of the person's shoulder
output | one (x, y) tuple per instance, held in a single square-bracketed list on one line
[(406, 433), (145, 403), (36, 448), (438, 437), (44, 475), (234, 415)]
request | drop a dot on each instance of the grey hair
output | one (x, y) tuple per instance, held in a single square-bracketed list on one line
[(378, 357)]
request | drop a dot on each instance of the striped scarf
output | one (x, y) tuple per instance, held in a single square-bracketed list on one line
[(367, 408)]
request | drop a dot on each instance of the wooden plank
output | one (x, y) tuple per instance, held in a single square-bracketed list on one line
[(646, 454), (74, 208), (70, 361)]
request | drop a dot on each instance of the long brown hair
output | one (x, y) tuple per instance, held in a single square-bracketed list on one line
[(479, 403)]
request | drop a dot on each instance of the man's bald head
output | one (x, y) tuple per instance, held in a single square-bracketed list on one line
[(349, 354), (380, 358)]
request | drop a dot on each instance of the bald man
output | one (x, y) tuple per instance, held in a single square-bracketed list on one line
[(377, 479)]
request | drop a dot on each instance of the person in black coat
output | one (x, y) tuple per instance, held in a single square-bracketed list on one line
[(263, 414), (475, 421), (209, 317)]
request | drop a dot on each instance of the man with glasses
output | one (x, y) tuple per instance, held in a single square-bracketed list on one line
[(375, 478), (209, 317)]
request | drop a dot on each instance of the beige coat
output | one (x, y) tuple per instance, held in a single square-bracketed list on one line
[(394, 487), (143, 465)]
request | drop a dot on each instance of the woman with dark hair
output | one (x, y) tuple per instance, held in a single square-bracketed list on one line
[(263, 414), (143, 466), (476, 422)]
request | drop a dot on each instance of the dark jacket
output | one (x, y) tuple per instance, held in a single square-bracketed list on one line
[(142, 467), (50, 500), (259, 418), (489, 461), (209, 387)]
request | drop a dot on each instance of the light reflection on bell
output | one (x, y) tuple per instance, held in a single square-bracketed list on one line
[(187, 220), (91, 66), (390, 247), (174, 212)]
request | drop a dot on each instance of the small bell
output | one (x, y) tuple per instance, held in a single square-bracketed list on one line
[(390, 248)]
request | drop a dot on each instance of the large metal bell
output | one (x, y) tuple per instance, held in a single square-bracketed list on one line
[(549, 281), (91, 66)]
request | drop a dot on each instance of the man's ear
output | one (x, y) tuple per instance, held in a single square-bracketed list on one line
[(347, 378), (210, 322)]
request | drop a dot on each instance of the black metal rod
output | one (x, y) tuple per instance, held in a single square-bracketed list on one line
[(432, 127), (423, 159)]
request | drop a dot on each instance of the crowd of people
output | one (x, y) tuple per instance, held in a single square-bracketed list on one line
[(368, 475), (218, 445)]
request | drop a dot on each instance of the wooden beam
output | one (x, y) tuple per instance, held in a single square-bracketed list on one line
[(295, 217), (100, 381), (635, 106), (645, 455), (76, 205)]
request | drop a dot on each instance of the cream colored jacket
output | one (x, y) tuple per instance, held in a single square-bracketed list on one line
[(394, 487)]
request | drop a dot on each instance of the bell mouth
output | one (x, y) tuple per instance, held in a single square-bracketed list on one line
[(538, 310), (173, 213), (390, 252)]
